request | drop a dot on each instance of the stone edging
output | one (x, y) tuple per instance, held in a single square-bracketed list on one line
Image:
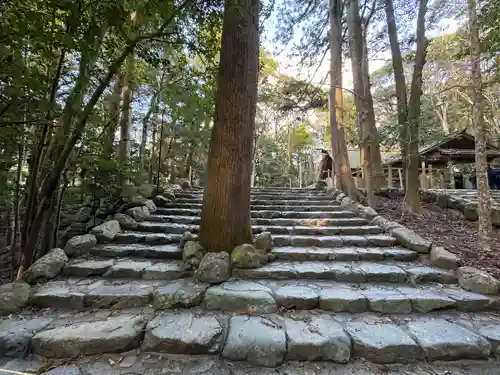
[(469, 278)]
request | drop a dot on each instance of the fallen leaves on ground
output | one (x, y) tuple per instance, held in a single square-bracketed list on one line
[(449, 229)]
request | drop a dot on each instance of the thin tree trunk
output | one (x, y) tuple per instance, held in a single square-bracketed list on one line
[(484, 213), (126, 115), (153, 153), (17, 197), (412, 197), (356, 52), (399, 78), (145, 128), (375, 155), (340, 158), (225, 218), (114, 111)]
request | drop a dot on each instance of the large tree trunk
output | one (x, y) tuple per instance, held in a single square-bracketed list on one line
[(145, 127), (478, 105), (399, 78), (337, 133), (126, 115), (225, 217), (373, 138), (114, 112), (356, 52), (412, 197)]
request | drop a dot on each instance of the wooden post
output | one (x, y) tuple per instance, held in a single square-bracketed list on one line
[(300, 175), (400, 173), (190, 176), (431, 180), (452, 180), (390, 181), (422, 176), (441, 180)]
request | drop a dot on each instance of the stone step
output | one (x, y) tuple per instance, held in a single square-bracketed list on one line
[(265, 202), (259, 296), (345, 254), (134, 237), (354, 272), (267, 214), (155, 227), (269, 207), (137, 237), (265, 340), (335, 222), (334, 240), (155, 363), (268, 197), (138, 251), (152, 269)]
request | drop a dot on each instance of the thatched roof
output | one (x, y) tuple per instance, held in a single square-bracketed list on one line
[(458, 146)]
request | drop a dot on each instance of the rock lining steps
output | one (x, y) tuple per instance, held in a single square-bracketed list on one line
[(341, 287)]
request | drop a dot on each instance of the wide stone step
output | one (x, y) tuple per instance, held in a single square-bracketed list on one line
[(126, 269), (285, 337), (345, 254), (378, 240), (356, 272), (267, 196), (133, 237), (138, 251), (334, 240), (267, 214), (259, 296), (155, 227), (266, 202), (269, 207), (335, 222)]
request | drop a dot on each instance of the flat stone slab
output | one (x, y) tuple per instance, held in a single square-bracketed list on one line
[(164, 271), (468, 301), (348, 254), (119, 295), (339, 271), (128, 269), (138, 251), (342, 300), (116, 334), (387, 300), (184, 333), (179, 294), (279, 214), (87, 268), (147, 238), (256, 340), (16, 334), (67, 293), (297, 297), (423, 301), (240, 296), (419, 275), (320, 339), (442, 340), (383, 343)]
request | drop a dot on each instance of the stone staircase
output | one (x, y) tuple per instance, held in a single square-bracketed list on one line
[(339, 290)]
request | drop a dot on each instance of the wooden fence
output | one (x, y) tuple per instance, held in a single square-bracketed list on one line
[(430, 178)]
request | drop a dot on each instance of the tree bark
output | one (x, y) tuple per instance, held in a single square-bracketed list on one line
[(399, 78), (484, 213), (114, 110), (145, 128), (356, 52), (412, 197), (225, 217), (375, 155), (341, 161), (126, 115)]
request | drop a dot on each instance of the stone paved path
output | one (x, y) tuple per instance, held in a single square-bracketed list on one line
[(340, 290)]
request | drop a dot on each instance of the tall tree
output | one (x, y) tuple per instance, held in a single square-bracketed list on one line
[(342, 168), (225, 218), (409, 112), (478, 105)]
